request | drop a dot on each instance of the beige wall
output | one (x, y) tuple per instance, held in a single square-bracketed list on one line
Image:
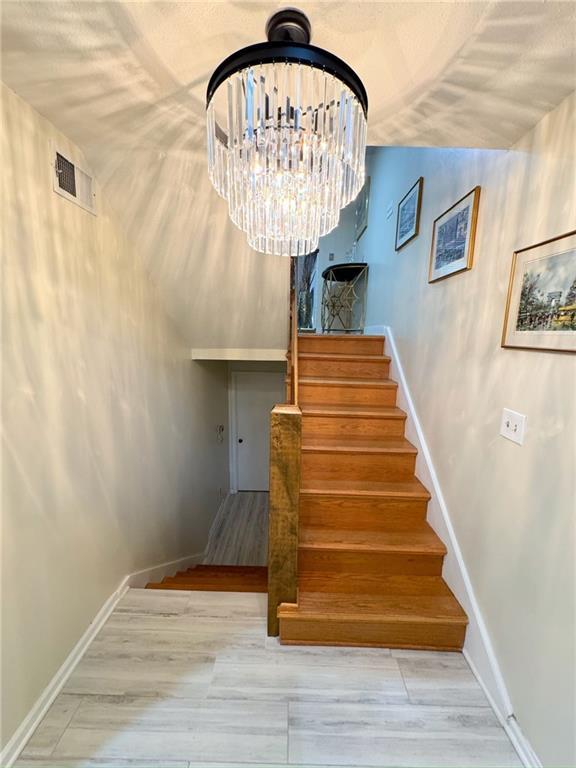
[(513, 508), (110, 458)]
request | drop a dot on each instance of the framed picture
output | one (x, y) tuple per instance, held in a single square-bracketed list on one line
[(408, 216), (453, 238), (541, 304), (362, 202)]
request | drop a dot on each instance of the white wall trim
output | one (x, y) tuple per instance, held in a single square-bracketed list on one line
[(232, 432), (137, 579), (237, 353), (478, 648)]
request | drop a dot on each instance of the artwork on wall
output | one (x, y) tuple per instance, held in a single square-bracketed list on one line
[(408, 216), (306, 280), (362, 202), (541, 304), (453, 238)]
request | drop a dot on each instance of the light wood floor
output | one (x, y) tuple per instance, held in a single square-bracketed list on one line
[(189, 679), (239, 535)]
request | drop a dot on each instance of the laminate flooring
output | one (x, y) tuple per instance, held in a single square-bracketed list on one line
[(189, 679), (239, 534)]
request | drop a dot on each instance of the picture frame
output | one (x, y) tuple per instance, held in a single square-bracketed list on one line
[(453, 237), (408, 215), (540, 309), (362, 204)]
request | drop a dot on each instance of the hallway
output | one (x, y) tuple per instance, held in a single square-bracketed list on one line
[(239, 534), (189, 679)]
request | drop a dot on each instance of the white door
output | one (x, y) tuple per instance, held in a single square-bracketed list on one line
[(255, 396)]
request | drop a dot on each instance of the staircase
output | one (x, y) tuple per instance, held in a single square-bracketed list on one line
[(369, 565), (217, 578)]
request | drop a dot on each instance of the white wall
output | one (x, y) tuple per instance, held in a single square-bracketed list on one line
[(110, 460), (339, 242), (512, 507)]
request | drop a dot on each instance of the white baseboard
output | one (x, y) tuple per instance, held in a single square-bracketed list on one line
[(137, 579), (519, 741), (478, 648), (238, 353), (157, 572)]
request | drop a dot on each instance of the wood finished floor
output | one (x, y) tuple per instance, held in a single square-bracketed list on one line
[(239, 535), (189, 679)]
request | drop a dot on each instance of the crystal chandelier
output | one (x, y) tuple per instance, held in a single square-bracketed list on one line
[(286, 137)]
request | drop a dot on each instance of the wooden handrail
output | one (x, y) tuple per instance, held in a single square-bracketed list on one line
[(293, 345), (285, 443)]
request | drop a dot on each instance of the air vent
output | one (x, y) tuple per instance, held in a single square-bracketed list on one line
[(66, 174), (72, 183)]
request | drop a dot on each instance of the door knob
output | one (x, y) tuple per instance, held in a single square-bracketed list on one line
[(240, 440)]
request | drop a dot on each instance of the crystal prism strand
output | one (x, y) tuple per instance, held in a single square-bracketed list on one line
[(271, 152), (350, 132), (307, 212), (235, 202)]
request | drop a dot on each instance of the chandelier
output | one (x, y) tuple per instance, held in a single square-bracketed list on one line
[(286, 137)]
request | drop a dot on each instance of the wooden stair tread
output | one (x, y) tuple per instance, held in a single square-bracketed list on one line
[(353, 411), (328, 381), (221, 569), (343, 357), (217, 578), (333, 336), (335, 606), (409, 490), (419, 540), (358, 445)]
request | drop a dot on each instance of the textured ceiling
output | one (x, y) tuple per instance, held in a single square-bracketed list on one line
[(127, 80)]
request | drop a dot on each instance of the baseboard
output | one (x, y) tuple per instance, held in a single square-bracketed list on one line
[(17, 742), (157, 572), (478, 648), (519, 741), (237, 353)]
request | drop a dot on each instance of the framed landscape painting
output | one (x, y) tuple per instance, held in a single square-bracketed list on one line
[(541, 304), (408, 216), (453, 238)]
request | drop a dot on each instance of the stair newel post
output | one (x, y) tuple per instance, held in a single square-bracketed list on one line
[(285, 443)]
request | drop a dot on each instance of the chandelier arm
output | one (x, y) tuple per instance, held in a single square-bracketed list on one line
[(295, 53)]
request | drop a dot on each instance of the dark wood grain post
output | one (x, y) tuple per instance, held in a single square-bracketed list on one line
[(285, 439)]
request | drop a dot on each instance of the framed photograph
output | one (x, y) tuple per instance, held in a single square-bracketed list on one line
[(408, 216), (362, 202), (541, 304), (453, 238)]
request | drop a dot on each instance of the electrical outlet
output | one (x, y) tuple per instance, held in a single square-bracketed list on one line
[(513, 426)]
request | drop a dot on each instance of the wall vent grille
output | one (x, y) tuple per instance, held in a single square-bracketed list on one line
[(66, 174), (72, 183)]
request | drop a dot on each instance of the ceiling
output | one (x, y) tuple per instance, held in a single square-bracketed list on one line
[(126, 81)]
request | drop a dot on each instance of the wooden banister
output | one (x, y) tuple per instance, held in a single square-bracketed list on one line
[(293, 333), (285, 441)]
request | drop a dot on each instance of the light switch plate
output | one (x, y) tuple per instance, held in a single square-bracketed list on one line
[(389, 210), (513, 426)]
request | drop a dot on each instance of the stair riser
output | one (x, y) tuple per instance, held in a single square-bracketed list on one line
[(346, 427), (329, 466), (359, 565), (361, 513), (352, 345), (345, 369), (344, 395), (388, 634)]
